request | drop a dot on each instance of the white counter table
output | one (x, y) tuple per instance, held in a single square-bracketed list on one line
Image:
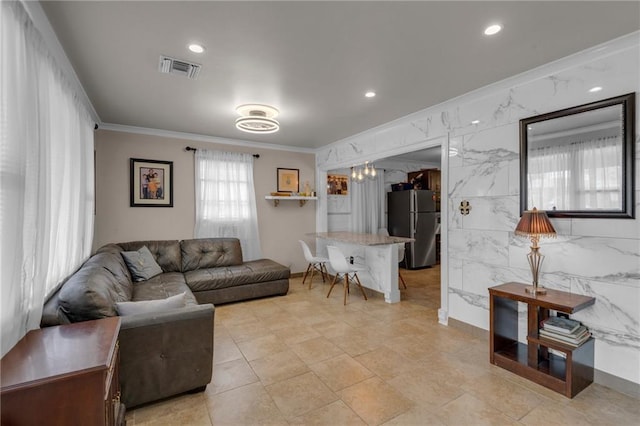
[(377, 252)]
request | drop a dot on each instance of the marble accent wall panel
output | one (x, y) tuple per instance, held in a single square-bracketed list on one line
[(484, 179), (607, 259), (492, 213), (481, 246), (338, 204), (472, 308), (492, 145)]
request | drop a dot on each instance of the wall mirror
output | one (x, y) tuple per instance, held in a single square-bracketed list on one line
[(579, 162)]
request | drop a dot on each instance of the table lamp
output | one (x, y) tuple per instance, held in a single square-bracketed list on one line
[(535, 224)]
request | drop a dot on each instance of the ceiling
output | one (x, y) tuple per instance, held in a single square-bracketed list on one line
[(312, 60)]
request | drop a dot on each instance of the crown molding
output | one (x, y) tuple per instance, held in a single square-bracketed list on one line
[(202, 138)]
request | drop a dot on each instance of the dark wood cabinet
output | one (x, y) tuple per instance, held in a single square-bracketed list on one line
[(425, 179), (569, 370), (64, 375)]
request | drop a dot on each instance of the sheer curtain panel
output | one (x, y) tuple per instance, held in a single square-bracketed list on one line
[(46, 175), (225, 199), (368, 205)]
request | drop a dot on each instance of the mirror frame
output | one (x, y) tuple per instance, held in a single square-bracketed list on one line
[(628, 174)]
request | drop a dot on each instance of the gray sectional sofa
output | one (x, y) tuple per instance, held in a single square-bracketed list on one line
[(166, 352)]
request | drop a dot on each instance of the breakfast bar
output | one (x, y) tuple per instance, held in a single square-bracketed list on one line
[(377, 252)]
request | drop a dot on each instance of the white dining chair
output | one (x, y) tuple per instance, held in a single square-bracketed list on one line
[(347, 270), (401, 250), (316, 263)]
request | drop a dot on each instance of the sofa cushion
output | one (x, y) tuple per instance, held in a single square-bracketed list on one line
[(163, 286), (148, 306), (91, 293), (166, 253), (114, 263), (210, 253), (254, 271), (141, 264)]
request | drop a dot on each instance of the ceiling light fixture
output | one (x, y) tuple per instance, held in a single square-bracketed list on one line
[(370, 94), (475, 122), (492, 29), (257, 119), (196, 48), (595, 89), (365, 171)]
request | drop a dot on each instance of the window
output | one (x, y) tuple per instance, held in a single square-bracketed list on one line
[(225, 199)]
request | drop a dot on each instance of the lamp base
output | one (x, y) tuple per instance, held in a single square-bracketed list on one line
[(536, 290)]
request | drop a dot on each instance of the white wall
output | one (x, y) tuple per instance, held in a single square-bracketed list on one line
[(280, 227), (596, 257)]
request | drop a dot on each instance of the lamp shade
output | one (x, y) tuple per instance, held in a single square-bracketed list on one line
[(535, 223)]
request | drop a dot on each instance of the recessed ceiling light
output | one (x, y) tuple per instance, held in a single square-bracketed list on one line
[(370, 94), (475, 122), (196, 48), (492, 29), (595, 89)]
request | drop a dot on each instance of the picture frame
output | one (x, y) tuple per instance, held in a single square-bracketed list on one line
[(337, 184), (288, 180), (151, 183)]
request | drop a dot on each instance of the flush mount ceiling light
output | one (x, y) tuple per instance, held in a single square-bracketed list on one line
[(257, 119), (370, 94), (492, 29), (595, 89)]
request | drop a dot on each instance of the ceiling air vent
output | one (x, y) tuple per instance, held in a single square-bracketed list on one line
[(175, 66)]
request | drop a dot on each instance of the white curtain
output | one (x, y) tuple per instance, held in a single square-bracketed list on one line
[(226, 200), (578, 175), (46, 175), (368, 205)]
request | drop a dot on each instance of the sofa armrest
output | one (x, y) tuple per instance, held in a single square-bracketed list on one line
[(165, 353)]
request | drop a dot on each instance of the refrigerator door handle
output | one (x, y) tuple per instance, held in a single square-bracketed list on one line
[(415, 223)]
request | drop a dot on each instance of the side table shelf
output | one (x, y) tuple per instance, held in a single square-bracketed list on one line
[(568, 374)]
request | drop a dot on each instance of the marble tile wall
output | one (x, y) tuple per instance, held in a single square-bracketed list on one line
[(596, 257)]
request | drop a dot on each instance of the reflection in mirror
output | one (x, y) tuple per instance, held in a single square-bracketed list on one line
[(578, 162)]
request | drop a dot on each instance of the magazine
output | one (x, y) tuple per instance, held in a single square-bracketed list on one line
[(561, 325)]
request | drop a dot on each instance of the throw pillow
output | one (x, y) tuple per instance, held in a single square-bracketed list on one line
[(141, 264), (148, 306)]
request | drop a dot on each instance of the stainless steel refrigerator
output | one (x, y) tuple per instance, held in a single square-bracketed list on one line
[(413, 214)]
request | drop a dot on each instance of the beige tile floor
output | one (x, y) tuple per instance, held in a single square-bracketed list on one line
[(303, 359)]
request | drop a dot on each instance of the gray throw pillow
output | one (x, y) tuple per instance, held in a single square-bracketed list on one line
[(147, 306), (141, 264)]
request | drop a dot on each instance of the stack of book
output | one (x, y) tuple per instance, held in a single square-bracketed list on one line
[(564, 330)]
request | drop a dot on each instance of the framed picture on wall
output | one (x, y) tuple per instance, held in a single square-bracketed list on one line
[(337, 184), (288, 180), (151, 183)]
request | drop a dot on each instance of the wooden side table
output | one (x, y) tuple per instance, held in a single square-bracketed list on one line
[(64, 375), (568, 374)]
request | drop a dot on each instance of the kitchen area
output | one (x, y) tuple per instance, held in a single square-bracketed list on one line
[(403, 198)]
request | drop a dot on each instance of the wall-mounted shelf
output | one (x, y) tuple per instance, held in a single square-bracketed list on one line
[(276, 199)]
